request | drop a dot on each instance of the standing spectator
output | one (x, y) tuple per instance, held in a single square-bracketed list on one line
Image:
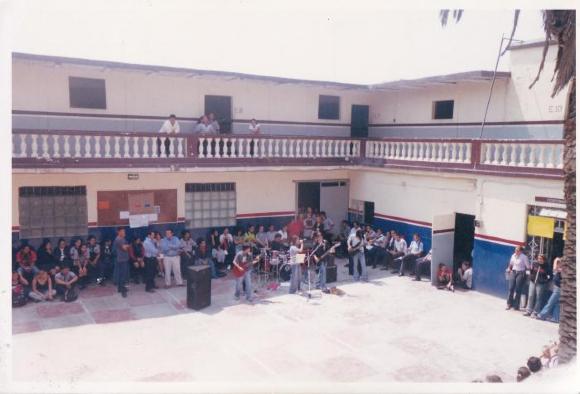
[(318, 226), (65, 283), (47, 261), (283, 234), (186, 250), (106, 262), (296, 226), (254, 127), (308, 224), (42, 287), (552, 307), (137, 258), (171, 128), (160, 265), (170, 246), (540, 276), (343, 236), (227, 244), (356, 246), (413, 252), (517, 277), (271, 233), (214, 240), (26, 259), (121, 249), (465, 275), (239, 239), (215, 126), (150, 257), (94, 258), (261, 237)]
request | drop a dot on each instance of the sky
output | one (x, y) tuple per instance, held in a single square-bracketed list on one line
[(344, 41)]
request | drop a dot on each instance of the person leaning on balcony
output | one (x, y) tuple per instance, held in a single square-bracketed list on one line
[(254, 127), (169, 127), (204, 126), (516, 270), (213, 122)]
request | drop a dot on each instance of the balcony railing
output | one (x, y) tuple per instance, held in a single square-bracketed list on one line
[(41, 149)]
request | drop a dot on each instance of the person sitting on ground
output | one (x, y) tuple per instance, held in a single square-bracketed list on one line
[(42, 287), (534, 364), (171, 128), (493, 379), (65, 282), (254, 127), (399, 250), (523, 373), (62, 253), (26, 259), (444, 278), (549, 356), (552, 307), (422, 264), (47, 261), (261, 238), (20, 290), (465, 275), (413, 252), (75, 254), (540, 276), (137, 260)]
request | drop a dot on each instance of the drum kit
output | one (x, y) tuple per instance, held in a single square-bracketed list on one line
[(275, 266)]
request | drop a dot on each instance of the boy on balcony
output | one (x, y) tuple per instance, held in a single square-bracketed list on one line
[(169, 127)]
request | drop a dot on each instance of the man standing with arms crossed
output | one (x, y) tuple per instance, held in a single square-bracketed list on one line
[(170, 247), (121, 248)]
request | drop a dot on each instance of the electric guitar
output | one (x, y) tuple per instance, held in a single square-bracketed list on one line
[(238, 273), (354, 250), (329, 251)]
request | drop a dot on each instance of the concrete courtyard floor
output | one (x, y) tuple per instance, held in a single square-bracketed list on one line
[(388, 330)]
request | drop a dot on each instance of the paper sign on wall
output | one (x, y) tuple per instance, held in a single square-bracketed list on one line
[(124, 215), (541, 226), (138, 221)]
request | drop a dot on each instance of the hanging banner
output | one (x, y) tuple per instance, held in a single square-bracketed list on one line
[(541, 226)]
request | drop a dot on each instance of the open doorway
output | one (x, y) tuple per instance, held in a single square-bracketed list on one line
[(463, 239), (308, 196), (329, 196)]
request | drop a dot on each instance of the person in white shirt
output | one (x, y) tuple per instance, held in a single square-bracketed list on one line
[(171, 128), (516, 272), (296, 271), (353, 230), (465, 275), (254, 127), (399, 250), (204, 126), (376, 253), (413, 252), (284, 234), (271, 233), (213, 122)]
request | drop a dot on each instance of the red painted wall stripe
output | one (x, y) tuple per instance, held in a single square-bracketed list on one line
[(498, 239), (399, 219), (262, 214)]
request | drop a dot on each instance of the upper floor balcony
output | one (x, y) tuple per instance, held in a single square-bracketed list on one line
[(66, 149)]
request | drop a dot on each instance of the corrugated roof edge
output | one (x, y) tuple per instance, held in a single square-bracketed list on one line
[(448, 78)]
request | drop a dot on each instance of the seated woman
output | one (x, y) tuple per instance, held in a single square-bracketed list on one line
[(26, 259), (42, 288), (47, 260), (444, 278)]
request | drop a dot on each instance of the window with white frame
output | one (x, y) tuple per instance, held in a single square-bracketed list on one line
[(210, 205)]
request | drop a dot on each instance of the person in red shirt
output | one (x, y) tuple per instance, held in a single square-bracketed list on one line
[(26, 259), (296, 226), (444, 278)]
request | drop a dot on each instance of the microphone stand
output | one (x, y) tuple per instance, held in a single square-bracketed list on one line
[(308, 294)]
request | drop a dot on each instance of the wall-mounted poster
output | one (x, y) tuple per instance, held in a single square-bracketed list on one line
[(121, 207)]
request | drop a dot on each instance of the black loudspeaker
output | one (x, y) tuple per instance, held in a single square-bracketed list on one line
[(198, 287), (330, 273)]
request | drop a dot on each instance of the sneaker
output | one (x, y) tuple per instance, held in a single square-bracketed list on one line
[(527, 313), (507, 308), (401, 274)]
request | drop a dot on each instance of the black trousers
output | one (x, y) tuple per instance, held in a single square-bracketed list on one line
[(150, 268)]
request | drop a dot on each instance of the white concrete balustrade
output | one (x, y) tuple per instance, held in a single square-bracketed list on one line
[(84, 146), (420, 151), (279, 148), (518, 154)]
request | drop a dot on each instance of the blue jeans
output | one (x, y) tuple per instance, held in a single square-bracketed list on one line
[(553, 306), (247, 280), (517, 279), (321, 283), (360, 257), (536, 294), (295, 278)]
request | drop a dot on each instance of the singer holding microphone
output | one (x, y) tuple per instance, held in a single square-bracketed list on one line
[(296, 247)]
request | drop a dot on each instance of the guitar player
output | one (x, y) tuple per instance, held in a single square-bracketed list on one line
[(320, 260), (243, 262), (356, 244)]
